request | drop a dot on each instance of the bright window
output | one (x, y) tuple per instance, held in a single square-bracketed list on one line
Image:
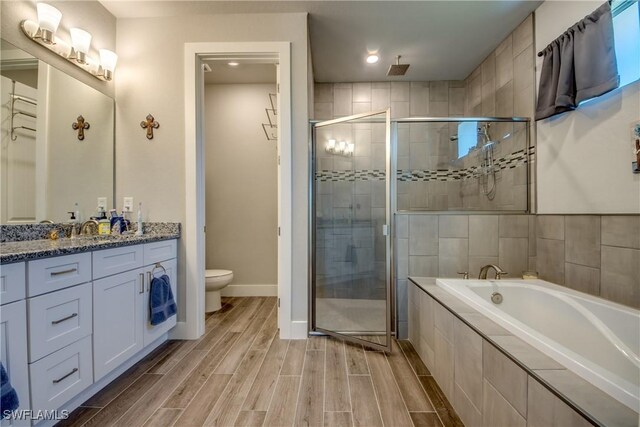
[(626, 28), (467, 137)]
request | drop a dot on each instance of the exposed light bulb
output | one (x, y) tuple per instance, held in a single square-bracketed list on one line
[(373, 58)]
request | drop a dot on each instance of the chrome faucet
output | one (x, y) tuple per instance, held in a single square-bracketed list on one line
[(484, 270), (85, 225)]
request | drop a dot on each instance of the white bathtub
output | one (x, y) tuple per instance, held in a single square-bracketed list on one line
[(596, 339)]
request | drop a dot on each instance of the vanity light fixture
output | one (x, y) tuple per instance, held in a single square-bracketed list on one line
[(43, 33), (48, 21), (372, 58), (342, 148), (80, 41)]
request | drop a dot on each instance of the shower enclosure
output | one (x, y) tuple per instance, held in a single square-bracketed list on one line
[(367, 167)]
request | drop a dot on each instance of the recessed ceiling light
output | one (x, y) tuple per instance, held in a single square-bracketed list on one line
[(233, 64), (372, 58)]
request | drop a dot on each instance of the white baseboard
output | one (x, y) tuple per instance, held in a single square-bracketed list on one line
[(299, 330), (250, 291)]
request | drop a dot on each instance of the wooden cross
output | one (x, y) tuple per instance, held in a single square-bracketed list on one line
[(80, 126), (150, 124)]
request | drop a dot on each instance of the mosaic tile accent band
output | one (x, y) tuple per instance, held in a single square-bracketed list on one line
[(510, 161)]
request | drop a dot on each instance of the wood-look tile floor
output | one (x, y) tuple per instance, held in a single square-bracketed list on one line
[(241, 374)]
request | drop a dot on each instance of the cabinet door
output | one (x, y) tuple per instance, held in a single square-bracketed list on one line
[(151, 333), (13, 283), (118, 318), (13, 353)]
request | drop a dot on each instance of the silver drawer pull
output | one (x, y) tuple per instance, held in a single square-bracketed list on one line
[(55, 322), (141, 283), (73, 371), (57, 273)]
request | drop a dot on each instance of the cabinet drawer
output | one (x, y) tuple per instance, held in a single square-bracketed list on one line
[(61, 376), (51, 274), (13, 285), (59, 319), (159, 251), (116, 260)]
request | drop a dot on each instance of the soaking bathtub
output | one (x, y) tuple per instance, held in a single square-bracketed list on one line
[(596, 339)]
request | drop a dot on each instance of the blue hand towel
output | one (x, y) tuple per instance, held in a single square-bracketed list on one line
[(161, 302), (9, 400)]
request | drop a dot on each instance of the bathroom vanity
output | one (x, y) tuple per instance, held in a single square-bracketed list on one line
[(75, 314)]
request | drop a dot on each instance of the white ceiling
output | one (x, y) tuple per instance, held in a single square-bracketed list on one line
[(442, 40)]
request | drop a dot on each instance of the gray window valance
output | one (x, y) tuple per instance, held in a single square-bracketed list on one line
[(578, 65)]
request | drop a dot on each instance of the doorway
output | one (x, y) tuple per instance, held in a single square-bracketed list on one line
[(194, 229), (350, 257)]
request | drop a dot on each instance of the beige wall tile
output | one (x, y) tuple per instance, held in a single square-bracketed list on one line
[(419, 98), (496, 411), (523, 71), (399, 109), (443, 364), (504, 63), (380, 96), (621, 230), (453, 256), (323, 92), (438, 108), (544, 409), (513, 255), (523, 35), (400, 91), (489, 98), (504, 100), (423, 235), (469, 414), (453, 226), (423, 266), (443, 321), (488, 68), (362, 92), (456, 101), (474, 93), (523, 102), (550, 260), (426, 318), (582, 278), (342, 101), (507, 377), (323, 110), (483, 235), (582, 239), (620, 275), (514, 226), (361, 107), (439, 90), (550, 227), (468, 362)]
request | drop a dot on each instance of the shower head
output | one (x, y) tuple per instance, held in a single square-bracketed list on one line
[(397, 69)]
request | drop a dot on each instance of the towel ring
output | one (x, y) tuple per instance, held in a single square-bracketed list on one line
[(158, 265)]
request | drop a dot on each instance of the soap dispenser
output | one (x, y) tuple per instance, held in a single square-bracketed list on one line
[(74, 223), (104, 225)]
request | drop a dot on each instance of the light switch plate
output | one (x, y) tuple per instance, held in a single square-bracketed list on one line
[(102, 203), (127, 206)]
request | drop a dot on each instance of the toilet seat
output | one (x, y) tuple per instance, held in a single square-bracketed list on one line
[(209, 274)]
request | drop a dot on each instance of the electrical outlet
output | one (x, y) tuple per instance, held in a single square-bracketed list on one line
[(127, 206), (102, 203)]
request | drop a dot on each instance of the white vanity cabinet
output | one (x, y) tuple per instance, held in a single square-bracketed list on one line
[(13, 353), (118, 319), (121, 311), (69, 321)]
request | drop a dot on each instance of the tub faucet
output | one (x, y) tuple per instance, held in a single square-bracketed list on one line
[(484, 270)]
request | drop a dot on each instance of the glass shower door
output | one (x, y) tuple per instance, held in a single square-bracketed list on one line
[(351, 183)]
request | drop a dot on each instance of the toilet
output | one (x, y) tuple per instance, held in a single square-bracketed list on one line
[(215, 281)]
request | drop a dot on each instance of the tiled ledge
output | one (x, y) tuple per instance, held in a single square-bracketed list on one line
[(25, 250), (595, 406)]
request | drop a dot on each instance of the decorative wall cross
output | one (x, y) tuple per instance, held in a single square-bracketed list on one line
[(80, 126), (150, 124)]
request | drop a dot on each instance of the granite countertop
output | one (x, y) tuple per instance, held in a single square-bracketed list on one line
[(578, 393), (35, 249)]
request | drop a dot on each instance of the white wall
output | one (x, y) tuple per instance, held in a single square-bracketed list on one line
[(584, 157), (241, 184), (151, 80)]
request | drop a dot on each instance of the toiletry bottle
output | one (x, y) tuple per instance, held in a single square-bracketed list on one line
[(139, 231), (74, 222), (104, 225)]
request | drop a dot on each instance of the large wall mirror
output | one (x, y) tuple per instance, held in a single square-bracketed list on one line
[(47, 165)]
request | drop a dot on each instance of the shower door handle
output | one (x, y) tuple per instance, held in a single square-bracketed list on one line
[(385, 229)]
